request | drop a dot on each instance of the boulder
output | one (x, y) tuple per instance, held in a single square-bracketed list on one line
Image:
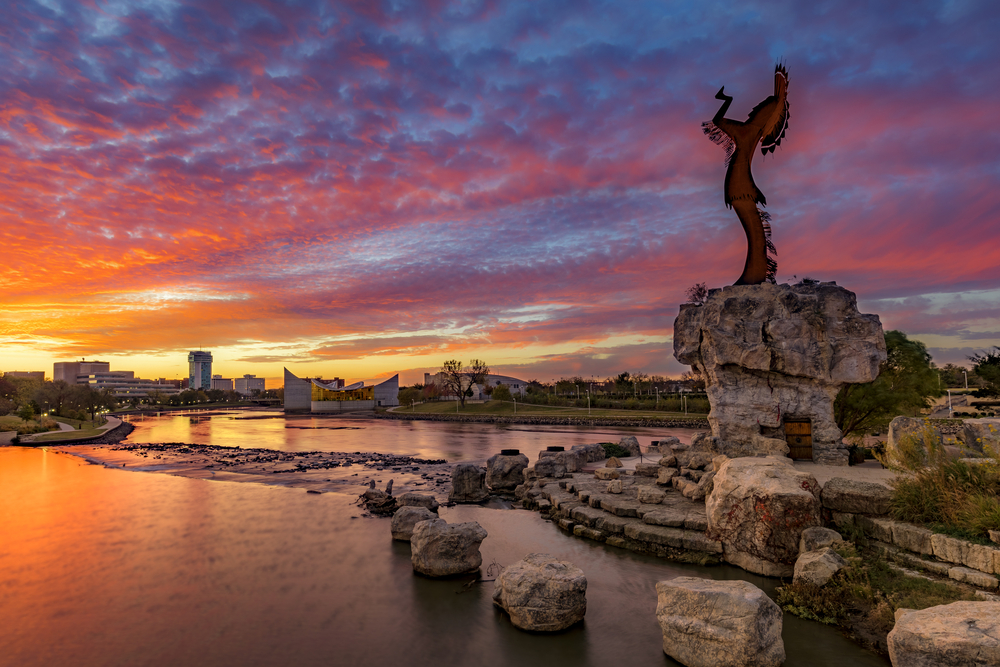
[(700, 489), (818, 537), (571, 461), (668, 461), (817, 567), (647, 470), (663, 445), (758, 508), (615, 486), (977, 433), (551, 467), (630, 443), (708, 623), (440, 549), (703, 442), (773, 351), (404, 520), (613, 462), (505, 471), (666, 475), (468, 484), (594, 451), (855, 496), (965, 634), (542, 593), (418, 500), (650, 495), (606, 473), (695, 460)]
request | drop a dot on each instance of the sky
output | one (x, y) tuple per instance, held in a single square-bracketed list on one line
[(361, 188)]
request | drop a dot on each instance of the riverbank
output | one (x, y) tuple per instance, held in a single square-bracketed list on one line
[(539, 420)]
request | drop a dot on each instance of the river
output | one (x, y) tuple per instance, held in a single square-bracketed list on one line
[(104, 566)]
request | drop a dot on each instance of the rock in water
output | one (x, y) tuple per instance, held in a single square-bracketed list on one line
[(542, 593), (440, 549), (960, 634), (468, 484), (708, 623), (818, 567), (771, 352), (418, 500), (759, 507), (505, 471), (404, 520)]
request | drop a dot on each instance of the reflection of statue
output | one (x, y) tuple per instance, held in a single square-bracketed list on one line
[(766, 125)]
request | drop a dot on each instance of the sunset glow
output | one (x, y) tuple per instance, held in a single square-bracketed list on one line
[(365, 188)]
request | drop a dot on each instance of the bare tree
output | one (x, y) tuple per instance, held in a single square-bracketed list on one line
[(458, 380), (697, 294)]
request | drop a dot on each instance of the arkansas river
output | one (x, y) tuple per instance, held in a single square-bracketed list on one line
[(103, 566)]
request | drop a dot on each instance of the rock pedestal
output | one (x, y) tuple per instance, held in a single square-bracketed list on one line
[(542, 593), (708, 623), (965, 634), (774, 353), (468, 484), (504, 472), (759, 508), (440, 549)]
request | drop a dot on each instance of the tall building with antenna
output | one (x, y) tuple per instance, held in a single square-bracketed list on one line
[(199, 370)]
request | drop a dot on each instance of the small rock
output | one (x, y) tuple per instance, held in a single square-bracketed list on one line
[(613, 462), (818, 537), (646, 470), (615, 486), (668, 461), (651, 495), (665, 475), (406, 518), (606, 473), (818, 567), (418, 500)]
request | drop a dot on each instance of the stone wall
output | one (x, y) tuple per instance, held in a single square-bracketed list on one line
[(770, 353)]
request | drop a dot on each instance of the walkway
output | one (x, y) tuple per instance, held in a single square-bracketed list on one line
[(112, 422)]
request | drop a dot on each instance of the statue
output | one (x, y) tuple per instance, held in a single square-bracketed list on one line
[(766, 126)]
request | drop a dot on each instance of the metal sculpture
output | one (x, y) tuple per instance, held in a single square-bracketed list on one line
[(766, 126)]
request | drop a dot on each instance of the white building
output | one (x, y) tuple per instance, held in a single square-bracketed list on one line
[(98, 375), (219, 382)]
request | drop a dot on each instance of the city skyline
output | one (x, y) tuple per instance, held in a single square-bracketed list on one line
[(361, 190)]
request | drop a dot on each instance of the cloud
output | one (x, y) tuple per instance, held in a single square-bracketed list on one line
[(352, 177)]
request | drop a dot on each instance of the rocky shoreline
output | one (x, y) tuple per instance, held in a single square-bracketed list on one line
[(645, 422)]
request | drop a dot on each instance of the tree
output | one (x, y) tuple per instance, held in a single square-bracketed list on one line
[(907, 378), (409, 395), (58, 395), (697, 294), (623, 383), (501, 392), (458, 380), (987, 366)]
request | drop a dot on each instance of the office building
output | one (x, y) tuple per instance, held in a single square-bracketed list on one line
[(248, 383), (199, 370), (219, 382), (98, 375)]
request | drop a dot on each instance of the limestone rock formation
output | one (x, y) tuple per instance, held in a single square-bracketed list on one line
[(613, 462), (960, 634), (440, 549), (468, 484), (505, 471), (664, 444), (818, 567), (542, 593), (708, 623), (855, 496), (405, 518), (773, 352), (918, 430), (418, 500), (594, 451), (759, 507)]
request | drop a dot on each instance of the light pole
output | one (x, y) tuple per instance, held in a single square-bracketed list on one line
[(684, 397), (966, 374), (588, 401), (514, 398), (951, 413)]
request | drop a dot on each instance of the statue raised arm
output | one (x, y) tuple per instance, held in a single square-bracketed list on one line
[(766, 126)]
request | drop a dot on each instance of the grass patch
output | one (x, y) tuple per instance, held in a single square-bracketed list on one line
[(527, 409), (14, 423), (950, 496), (863, 597)]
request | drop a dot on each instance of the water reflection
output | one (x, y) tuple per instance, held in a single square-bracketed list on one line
[(108, 567), (423, 439)]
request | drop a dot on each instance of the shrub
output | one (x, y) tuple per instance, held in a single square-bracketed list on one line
[(614, 449)]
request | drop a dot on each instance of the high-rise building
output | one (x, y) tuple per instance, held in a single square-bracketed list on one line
[(199, 370)]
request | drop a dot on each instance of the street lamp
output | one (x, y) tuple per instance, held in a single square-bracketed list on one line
[(588, 401), (966, 374), (951, 413)]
